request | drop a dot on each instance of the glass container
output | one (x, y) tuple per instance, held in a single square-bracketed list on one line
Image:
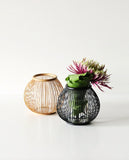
[(78, 105)]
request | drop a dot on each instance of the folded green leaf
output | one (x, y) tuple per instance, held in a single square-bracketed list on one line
[(78, 80)]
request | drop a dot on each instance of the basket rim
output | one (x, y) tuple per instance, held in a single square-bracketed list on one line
[(53, 77)]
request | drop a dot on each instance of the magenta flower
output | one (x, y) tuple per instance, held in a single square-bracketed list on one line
[(79, 68), (100, 78)]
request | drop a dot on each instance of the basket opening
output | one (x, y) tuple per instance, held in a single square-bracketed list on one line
[(44, 77)]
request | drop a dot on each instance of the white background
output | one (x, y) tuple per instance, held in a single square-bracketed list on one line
[(38, 36)]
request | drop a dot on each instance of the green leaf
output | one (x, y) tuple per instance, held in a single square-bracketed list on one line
[(79, 80)]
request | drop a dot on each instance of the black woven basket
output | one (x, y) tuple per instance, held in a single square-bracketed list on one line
[(78, 105)]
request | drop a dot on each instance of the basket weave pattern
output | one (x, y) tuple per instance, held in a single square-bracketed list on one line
[(42, 92)]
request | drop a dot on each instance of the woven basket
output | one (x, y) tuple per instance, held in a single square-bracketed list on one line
[(42, 92)]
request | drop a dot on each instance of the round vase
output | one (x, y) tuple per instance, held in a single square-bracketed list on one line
[(42, 92), (78, 105)]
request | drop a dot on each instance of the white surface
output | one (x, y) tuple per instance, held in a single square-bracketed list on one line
[(25, 135), (38, 36)]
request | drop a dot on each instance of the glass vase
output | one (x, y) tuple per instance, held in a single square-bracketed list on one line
[(78, 105)]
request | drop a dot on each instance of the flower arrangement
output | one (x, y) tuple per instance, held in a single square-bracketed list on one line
[(78, 103), (88, 72)]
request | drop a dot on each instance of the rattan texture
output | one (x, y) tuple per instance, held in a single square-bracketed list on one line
[(41, 93)]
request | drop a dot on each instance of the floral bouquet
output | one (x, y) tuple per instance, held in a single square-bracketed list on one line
[(86, 73)]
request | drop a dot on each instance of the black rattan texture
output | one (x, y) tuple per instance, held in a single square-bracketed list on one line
[(78, 106)]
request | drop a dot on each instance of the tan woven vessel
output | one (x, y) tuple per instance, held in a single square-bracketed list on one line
[(42, 92)]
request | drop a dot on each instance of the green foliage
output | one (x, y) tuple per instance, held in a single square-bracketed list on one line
[(79, 80)]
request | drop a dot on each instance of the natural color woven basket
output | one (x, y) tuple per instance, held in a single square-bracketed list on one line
[(42, 92)]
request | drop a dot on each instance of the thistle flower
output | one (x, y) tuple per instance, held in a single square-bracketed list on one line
[(99, 77)]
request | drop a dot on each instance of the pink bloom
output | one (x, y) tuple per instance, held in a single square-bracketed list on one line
[(100, 77)]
